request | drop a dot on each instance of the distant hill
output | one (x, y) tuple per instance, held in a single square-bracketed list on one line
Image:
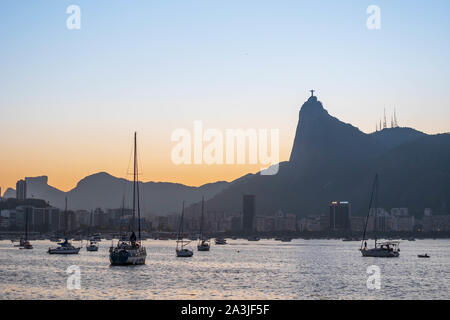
[(106, 191), (332, 160)]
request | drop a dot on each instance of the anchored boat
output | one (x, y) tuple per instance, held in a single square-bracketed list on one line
[(64, 248), (203, 244), (24, 243), (386, 249), (220, 241), (181, 251), (92, 246), (131, 251)]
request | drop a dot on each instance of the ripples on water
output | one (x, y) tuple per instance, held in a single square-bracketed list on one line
[(268, 269)]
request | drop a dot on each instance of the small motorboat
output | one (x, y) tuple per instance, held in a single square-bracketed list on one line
[(220, 241), (423, 255), (21, 243), (184, 253), (65, 248), (203, 246), (26, 245), (92, 246)]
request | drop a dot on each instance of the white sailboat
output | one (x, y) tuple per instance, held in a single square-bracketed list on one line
[(220, 241), (131, 252), (92, 243), (92, 246), (386, 249), (25, 244), (203, 244), (65, 247), (181, 251)]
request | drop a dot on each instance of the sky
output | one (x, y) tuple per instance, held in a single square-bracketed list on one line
[(70, 100)]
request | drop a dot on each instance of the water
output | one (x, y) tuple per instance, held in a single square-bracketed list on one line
[(268, 269)]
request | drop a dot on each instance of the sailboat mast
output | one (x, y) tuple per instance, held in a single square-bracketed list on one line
[(26, 223), (134, 184), (201, 221), (121, 216), (180, 228), (90, 223), (138, 202), (66, 218), (374, 188)]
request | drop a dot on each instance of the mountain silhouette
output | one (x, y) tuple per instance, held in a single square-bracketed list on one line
[(106, 191), (333, 160), (330, 160)]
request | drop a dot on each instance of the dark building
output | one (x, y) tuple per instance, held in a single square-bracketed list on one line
[(64, 221), (55, 216), (236, 224), (340, 213), (24, 214), (101, 218), (248, 212), (38, 219), (21, 190)]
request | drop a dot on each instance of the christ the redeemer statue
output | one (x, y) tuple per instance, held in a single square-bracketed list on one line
[(312, 93)]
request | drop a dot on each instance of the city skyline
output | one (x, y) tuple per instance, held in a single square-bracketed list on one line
[(72, 98)]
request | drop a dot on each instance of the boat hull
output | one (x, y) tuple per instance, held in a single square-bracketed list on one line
[(127, 258), (202, 248), (379, 253), (184, 253), (66, 251)]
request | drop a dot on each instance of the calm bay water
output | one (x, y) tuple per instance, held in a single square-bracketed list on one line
[(268, 269)]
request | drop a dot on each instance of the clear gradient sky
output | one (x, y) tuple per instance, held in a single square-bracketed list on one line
[(70, 100)]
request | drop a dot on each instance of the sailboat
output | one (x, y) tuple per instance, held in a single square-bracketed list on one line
[(386, 249), (92, 246), (26, 244), (220, 241), (131, 252), (65, 247), (92, 243), (203, 244), (181, 250)]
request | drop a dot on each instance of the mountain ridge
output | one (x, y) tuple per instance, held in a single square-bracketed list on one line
[(333, 160), (330, 160), (107, 191)]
